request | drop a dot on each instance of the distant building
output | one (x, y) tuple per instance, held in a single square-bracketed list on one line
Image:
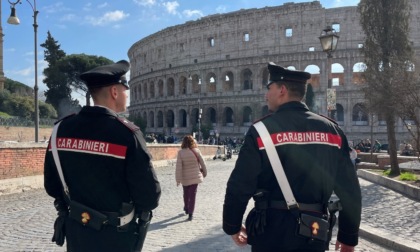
[(219, 64)]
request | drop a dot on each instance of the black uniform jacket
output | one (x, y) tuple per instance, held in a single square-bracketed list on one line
[(105, 162), (314, 153)]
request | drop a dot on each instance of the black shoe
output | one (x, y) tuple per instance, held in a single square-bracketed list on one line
[(190, 217)]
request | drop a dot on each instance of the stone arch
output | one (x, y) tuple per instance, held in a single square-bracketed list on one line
[(247, 116), (182, 118), (358, 69), (160, 88), (145, 90), (211, 116), (315, 72), (183, 85), (211, 82), (170, 118), (160, 119), (337, 75), (338, 114), (246, 79), (194, 116), (195, 82), (152, 90), (151, 119), (170, 87), (144, 117), (360, 114), (228, 117), (228, 81)]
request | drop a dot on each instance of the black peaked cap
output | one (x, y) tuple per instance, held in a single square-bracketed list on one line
[(106, 75), (278, 73)]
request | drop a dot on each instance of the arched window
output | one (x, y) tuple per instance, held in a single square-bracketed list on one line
[(228, 81), (228, 117), (182, 122), (246, 79)]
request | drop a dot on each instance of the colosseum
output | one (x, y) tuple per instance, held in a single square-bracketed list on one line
[(211, 73)]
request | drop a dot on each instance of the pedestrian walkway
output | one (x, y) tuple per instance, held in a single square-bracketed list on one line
[(26, 219)]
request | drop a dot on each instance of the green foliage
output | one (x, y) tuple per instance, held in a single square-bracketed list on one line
[(408, 176), (139, 121), (4, 115), (386, 172), (309, 97), (23, 106), (16, 87)]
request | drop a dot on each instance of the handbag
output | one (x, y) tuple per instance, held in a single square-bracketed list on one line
[(312, 227)]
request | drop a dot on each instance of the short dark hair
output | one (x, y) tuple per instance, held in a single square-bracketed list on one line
[(297, 90)]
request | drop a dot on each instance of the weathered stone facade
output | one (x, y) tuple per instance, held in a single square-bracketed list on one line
[(218, 63)]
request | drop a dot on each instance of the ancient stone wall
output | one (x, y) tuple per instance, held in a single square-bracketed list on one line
[(218, 64)]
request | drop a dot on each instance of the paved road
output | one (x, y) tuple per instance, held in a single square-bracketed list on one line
[(26, 219)]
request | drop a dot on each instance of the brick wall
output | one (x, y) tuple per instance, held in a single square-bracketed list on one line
[(25, 159)]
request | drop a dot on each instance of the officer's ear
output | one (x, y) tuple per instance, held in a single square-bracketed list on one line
[(113, 91)]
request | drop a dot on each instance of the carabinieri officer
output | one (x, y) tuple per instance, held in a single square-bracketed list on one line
[(315, 156), (108, 170)]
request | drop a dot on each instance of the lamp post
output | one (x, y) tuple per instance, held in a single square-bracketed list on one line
[(329, 40), (13, 19), (200, 111)]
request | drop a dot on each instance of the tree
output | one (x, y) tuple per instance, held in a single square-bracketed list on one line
[(139, 122), (58, 93), (75, 64), (309, 97), (387, 53)]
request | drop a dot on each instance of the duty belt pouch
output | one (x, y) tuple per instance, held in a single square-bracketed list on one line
[(87, 216), (313, 227)]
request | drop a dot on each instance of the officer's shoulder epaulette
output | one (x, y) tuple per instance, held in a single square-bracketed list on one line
[(64, 118), (262, 118), (127, 123), (329, 119)]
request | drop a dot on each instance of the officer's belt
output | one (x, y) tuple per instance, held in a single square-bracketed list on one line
[(280, 204), (114, 218)]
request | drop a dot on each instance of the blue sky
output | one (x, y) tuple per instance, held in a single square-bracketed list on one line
[(104, 28)]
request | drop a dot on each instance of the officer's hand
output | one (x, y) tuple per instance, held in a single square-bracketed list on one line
[(343, 247), (240, 238)]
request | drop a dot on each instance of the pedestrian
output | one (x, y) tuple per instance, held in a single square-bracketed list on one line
[(110, 186), (314, 155), (190, 171)]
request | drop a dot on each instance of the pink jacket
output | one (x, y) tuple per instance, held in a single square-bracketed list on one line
[(187, 170)]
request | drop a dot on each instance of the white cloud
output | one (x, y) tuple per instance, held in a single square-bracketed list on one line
[(68, 17), (87, 7), (54, 8), (171, 7), (221, 9), (103, 5), (145, 2), (109, 17), (193, 13)]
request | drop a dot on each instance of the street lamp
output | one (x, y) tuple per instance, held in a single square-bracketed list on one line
[(329, 40), (200, 111), (13, 19)]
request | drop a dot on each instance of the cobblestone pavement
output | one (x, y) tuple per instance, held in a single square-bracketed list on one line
[(26, 219)]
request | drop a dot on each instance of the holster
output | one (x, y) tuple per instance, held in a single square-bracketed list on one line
[(142, 227), (256, 225), (333, 207)]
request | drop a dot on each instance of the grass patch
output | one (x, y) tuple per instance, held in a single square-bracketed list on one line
[(408, 176), (404, 176)]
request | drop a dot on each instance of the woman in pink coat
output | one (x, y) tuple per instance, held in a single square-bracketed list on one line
[(190, 171)]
